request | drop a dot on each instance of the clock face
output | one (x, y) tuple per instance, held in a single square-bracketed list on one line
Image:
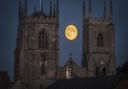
[(71, 32)]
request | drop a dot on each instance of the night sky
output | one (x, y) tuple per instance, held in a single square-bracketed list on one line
[(70, 13)]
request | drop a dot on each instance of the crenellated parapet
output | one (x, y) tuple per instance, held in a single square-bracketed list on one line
[(38, 16), (38, 20), (98, 22), (88, 16)]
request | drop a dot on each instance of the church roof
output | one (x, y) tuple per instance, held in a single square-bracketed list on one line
[(86, 83), (70, 63)]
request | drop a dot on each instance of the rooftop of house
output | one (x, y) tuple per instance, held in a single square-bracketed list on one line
[(100, 82)]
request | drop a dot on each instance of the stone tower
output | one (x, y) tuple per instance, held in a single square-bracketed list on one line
[(99, 41), (36, 54)]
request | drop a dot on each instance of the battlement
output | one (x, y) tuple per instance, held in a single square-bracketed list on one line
[(98, 21), (40, 19), (38, 16)]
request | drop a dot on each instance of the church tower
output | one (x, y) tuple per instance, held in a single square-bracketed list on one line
[(37, 53), (99, 41)]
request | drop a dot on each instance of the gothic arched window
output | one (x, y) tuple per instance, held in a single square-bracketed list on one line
[(43, 40), (100, 39), (42, 68), (43, 61)]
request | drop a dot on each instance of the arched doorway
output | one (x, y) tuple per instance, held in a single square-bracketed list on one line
[(97, 71), (104, 71), (101, 67), (100, 71)]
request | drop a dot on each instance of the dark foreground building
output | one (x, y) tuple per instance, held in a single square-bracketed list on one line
[(4, 80), (102, 82), (37, 51)]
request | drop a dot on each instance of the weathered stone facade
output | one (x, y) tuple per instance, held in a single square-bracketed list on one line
[(99, 43), (102, 57), (37, 51)]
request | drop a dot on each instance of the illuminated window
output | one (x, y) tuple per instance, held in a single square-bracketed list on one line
[(102, 63), (68, 73), (43, 40)]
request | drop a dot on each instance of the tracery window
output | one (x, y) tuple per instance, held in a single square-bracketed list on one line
[(43, 40)]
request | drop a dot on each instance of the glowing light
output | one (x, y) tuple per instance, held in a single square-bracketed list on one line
[(71, 32)]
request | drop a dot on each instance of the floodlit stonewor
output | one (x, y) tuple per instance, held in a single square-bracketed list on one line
[(37, 51)]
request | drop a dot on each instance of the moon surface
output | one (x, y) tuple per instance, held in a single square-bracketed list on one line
[(71, 32)]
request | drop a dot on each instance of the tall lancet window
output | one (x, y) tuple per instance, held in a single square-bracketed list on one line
[(43, 40), (100, 42), (43, 62)]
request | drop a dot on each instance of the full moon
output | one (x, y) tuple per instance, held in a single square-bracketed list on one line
[(71, 32)]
